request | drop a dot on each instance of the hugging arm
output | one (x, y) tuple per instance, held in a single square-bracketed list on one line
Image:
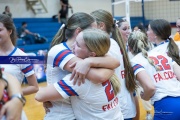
[(48, 93), (80, 68)]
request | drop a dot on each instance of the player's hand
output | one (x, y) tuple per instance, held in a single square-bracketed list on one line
[(80, 70), (12, 109), (47, 105)]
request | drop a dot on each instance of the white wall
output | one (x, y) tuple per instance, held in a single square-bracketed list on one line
[(153, 10)]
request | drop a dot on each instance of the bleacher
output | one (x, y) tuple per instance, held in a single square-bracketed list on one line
[(46, 27)]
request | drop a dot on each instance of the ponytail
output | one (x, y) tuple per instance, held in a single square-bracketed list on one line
[(129, 74), (115, 82), (173, 51), (141, 45), (59, 37)]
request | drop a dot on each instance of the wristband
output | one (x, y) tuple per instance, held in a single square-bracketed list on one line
[(20, 97)]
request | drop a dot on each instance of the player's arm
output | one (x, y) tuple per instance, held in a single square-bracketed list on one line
[(12, 109), (176, 69), (61, 90), (147, 85), (48, 93), (32, 85), (82, 69)]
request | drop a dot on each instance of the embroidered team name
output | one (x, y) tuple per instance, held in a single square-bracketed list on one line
[(111, 105), (167, 75)]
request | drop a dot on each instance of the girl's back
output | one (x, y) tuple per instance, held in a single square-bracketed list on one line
[(165, 81)]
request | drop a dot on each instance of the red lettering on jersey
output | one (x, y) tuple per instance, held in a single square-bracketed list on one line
[(108, 90), (110, 105), (168, 75), (160, 77), (123, 74)]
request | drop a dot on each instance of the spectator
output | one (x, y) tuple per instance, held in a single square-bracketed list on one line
[(62, 15), (7, 11), (28, 36), (65, 3), (25, 34)]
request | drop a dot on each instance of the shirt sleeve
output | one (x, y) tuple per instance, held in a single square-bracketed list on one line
[(66, 88), (62, 58), (27, 69)]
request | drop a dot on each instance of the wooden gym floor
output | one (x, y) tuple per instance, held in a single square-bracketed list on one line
[(34, 110)]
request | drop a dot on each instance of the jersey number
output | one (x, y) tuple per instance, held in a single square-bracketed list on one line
[(108, 90), (162, 62)]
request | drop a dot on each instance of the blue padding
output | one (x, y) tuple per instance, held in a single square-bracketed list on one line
[(28, 20), (19, 42), (34, 47)]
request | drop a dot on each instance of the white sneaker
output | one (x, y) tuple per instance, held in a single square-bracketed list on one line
[(149, 117)]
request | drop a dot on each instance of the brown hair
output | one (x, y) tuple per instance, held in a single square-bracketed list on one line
[(9, 25), (107, 19), (162, 29), (80, 19)]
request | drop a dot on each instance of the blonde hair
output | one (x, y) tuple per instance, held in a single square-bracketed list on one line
[(138, 42), (107, 19), (98, 41), (115, 82)]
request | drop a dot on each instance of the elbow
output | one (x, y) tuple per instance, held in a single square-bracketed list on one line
[(38, 98), (151, 91), (36, 89)]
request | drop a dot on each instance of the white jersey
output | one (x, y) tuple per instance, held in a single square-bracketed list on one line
[(126, 100), (164, 80), (178, 44), (58, 56), (162, 47), (114, 51), (18, 70), (91, 101)]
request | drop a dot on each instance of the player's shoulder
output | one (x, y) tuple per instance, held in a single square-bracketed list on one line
[(58, 48), (19, 52)]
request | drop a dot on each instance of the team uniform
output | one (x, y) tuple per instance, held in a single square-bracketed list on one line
[(128, 107), (18, 70), (91, 101), (162, 47), (58, 56), (126, 99), (167, 96)]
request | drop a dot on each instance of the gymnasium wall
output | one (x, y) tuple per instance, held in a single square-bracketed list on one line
[(154, 9)]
